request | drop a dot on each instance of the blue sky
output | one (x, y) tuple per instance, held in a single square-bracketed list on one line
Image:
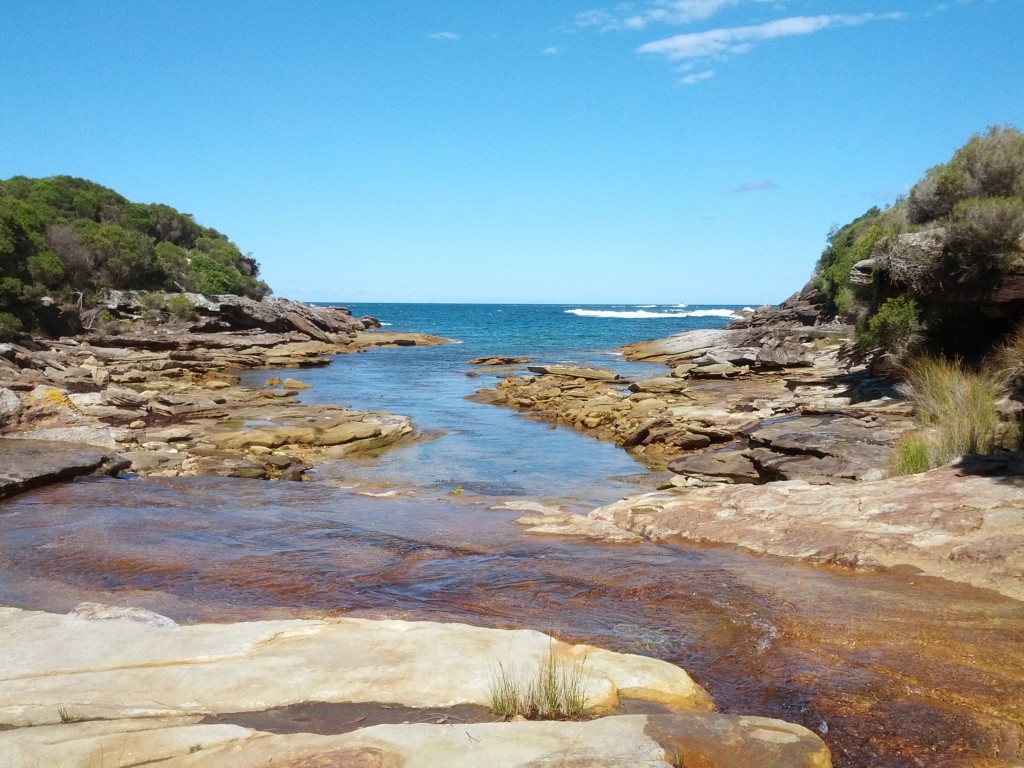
[(553, 151)]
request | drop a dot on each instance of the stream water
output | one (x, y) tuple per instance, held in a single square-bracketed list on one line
[(892, 669)]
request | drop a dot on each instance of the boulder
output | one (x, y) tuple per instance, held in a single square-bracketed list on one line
[(822, 447), (685, 345), (723, 465), (784, 355), (497, 360), (660, 385), (718, 371), (347, 433), (10, 406), (575, 372), (123, 398), (27, 464)]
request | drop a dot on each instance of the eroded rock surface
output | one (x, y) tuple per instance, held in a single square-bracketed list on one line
[(140, 689), (730, 412), (703, 740), (963, 522)]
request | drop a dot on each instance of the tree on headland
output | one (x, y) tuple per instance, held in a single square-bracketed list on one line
[(65, 241), (934, 270)]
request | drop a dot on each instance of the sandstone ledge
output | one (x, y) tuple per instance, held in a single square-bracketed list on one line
[(963, 522), (136, 685)]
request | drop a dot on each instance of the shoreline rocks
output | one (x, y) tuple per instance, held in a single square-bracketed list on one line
[(821, 420), (166, 396)]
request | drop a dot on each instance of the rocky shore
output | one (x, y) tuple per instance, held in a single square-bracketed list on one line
[(163, 398), (739, 405), (778, 439)]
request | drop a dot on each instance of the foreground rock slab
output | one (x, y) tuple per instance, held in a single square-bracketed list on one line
[(963, 522), (696, 739), (126, 684), (135, 665)]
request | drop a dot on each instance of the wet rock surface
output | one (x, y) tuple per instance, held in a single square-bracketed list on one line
[(27, 464), (963, 522)]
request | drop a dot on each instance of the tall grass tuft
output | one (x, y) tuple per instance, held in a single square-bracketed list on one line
[(554, 691), (956, 408)]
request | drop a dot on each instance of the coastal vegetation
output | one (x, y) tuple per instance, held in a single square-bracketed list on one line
[(956, 408), (924, 273), (65, 241), (555, 690), (936, 282)]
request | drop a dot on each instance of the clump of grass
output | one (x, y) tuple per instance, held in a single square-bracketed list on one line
[(913, 454), (956, 408), (67, 717), (554, 691)]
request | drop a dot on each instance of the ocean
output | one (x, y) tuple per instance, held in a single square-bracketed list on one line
[(484, 449)]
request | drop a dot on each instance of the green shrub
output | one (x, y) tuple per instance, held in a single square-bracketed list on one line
[(895, 327), (847, 305), (983, 233), (182, 308), (1007, 359), (912, 454), (987, 165), (10, 326)]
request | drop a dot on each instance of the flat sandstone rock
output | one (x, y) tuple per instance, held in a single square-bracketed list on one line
[(963, 522), (137, 686)]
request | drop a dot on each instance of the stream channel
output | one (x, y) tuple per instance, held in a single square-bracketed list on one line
[(891, 668)]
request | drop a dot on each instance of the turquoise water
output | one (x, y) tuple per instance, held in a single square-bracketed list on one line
[(484, 449)]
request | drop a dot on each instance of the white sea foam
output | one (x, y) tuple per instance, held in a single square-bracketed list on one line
[(646, 306), (641, 314), (383, 324)]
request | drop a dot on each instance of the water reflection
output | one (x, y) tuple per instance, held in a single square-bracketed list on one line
[(892, 670)]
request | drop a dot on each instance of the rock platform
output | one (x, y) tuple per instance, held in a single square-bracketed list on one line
[(136, 688), (167, 397)]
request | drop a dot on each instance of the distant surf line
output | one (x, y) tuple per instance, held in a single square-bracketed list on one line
[(641, 314)]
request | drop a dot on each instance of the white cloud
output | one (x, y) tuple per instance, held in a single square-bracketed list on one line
[(444, 36), (552, 50), (737, 40), (627, 16), (761, 185), (696, 77)]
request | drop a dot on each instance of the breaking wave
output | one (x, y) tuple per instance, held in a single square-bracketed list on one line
[(639, 314)]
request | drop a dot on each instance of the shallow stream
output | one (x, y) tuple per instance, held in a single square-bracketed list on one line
[(892, 669)]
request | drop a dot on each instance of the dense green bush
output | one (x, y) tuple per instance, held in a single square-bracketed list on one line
[(961, 228), (895, 327), (181, 308), (989, 165), (72, 239), (9, 326), (985, 232)]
